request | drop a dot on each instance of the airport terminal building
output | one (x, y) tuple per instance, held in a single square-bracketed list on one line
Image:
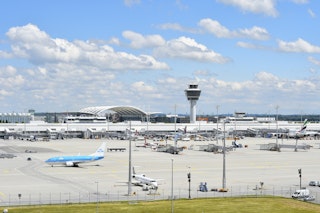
[(116, 121)]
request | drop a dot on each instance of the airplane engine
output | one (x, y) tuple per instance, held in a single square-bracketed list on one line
[(69, 163)]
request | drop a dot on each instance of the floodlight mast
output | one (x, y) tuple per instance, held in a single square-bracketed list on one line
[(193, 94)]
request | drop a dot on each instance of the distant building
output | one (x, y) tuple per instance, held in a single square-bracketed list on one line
[(16, 117), (85, 119), (242, 117)]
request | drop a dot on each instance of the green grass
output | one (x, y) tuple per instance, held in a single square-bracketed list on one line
[(221, 205)]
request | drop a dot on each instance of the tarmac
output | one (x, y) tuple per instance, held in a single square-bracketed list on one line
[(26, 179)]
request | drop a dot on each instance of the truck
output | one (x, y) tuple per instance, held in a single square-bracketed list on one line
[(301, 193)]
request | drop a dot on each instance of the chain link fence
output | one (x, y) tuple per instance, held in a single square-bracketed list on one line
[(97, 197)]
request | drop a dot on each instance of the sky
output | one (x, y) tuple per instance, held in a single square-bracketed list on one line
[(252, 56)]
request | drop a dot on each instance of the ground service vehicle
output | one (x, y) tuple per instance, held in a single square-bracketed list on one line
[(301, 193), (314, 183)]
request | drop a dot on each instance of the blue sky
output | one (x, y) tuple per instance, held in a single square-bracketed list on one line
[(246, 55)]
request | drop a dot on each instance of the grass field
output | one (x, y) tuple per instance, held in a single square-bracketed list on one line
[(225, 205)]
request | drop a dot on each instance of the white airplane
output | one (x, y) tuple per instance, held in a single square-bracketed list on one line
[(78, 159), (144, 181), (302, 132)]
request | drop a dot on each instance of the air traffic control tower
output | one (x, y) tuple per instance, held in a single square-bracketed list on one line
[(193, 94)]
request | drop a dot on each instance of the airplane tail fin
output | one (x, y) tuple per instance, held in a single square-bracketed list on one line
[(100, 151), (304, 126)]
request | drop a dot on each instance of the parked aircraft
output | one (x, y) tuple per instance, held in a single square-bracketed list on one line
[(294, 133), (144, 181), (302, 132), (78, 159), (173, 149)]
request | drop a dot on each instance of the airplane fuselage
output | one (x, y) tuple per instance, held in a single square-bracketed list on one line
[(75, 160), (143, 180), (72, 160)]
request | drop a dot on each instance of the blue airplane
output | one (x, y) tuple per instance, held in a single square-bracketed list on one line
[(78, 159)]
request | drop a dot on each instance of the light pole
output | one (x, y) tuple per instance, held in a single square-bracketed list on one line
[(299, 171), (97, 209), (172, 185), (217, 122), (278, 148), (224, 158), (130, 176), (108, 123), (189, 180), (235, 129), (19, 196), (175, 118)]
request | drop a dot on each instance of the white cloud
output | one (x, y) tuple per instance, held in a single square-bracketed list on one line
[(171, 26), (181, 5), (10, 79), (177, 27), (266, 77), (42, 70), (255, 32), (139, 41), (143, 90), (188, 48), (4, 54), (258, 93), (130, 3), (246, 45), (114, 41), (8, 71), (266, 7), (298, 46), (31, 43), (311, 13), (201, 73), (141, 86), (300, 1), (4, 93), (214, 27), (168, 80), (314, 60), (69, 75)]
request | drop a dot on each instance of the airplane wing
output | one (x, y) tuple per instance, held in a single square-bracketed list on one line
[(125, 183), (160, 181)]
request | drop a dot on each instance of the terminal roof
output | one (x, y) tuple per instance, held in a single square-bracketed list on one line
[(122, 110)]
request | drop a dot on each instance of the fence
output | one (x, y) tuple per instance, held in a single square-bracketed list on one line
[(94, 197)]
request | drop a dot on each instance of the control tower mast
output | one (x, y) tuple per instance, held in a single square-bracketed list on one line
[(193, 94)]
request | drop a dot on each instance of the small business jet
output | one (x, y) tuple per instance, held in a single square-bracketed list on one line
[(144, 181), (77, 159)]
